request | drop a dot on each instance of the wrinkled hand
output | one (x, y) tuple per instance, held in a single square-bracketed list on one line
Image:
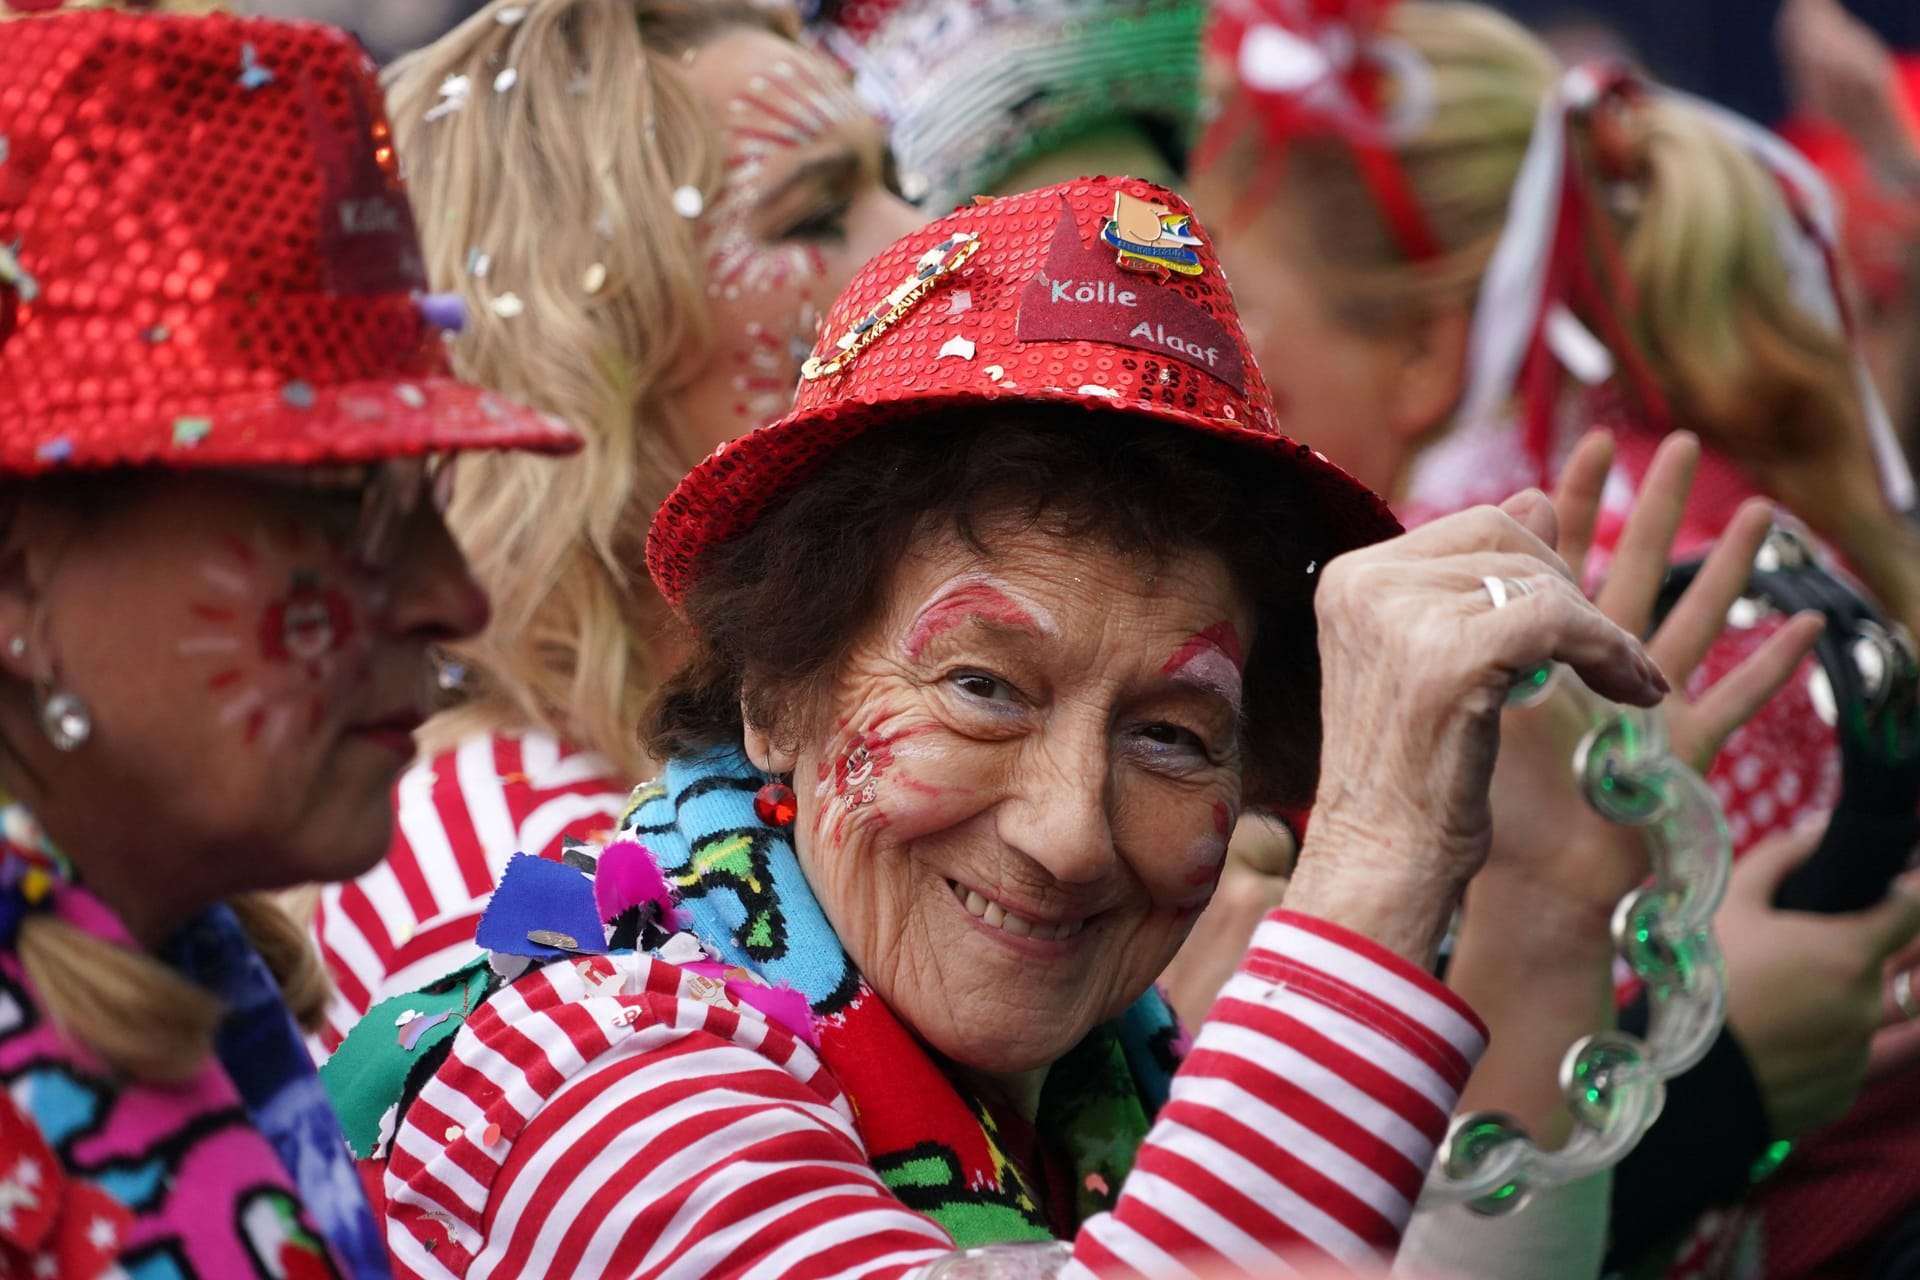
[(1416, 664), (1546, 836), (1805, 992)]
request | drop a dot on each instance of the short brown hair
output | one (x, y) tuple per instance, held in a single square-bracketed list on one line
[(775, 610)]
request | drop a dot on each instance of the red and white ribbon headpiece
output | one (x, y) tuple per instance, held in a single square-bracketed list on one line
[(1554, 258), (1322, 68)]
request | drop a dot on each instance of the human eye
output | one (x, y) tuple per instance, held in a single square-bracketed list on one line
[(828, 223), (980, 686), (1169, 745)]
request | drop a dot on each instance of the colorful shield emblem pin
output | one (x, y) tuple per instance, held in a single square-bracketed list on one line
[(1151, 238)]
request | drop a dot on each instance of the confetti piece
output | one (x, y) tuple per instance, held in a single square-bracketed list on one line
[(1095, 389), (957, 346), (453, 1133), (959, 302), (252, 74), (490, 1135), (454, 92), (444, 311), (188, 432), (411, 396), (512, 16), (479, 262), (1096, 1184), (56, 450), (688, 202), (156, 333), (507, 306), (298, 394), (595, 278), (411, 1033), (11, 272), (506, 80), (995, 373)]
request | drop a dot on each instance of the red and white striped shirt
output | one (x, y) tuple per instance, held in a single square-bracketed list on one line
[(598, 1119), (459, 817)]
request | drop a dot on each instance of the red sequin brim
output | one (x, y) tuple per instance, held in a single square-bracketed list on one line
[(294, 424), (723, 496)]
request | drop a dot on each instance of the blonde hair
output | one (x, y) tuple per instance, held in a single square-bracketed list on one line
[(555, 185), (1712, 304), (139, 1016)]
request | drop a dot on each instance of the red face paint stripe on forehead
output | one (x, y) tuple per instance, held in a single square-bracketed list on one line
[(1220, 638), (975, 600)]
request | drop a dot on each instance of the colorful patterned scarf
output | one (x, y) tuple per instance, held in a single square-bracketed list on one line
[(938, 1148), (180, 1173)]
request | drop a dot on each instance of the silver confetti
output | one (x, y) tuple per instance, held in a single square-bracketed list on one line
[(957, 346), (508, 305), (511, 16), (506, 80), (688, 202), (479, 263)]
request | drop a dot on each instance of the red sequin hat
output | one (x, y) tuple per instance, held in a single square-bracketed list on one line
[(207, 257), (1102, 293)]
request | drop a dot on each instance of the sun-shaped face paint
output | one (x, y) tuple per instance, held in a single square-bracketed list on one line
[(285, 627)]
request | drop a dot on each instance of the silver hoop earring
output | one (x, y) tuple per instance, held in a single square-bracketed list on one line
[(64, 718)]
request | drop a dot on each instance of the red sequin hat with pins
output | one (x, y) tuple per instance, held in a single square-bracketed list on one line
[(207, 257), (1103, 293)]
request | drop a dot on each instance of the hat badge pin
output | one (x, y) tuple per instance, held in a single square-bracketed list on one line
[(1152, 239), (934, 266)]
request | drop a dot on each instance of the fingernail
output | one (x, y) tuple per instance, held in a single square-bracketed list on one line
[(1654, 675)]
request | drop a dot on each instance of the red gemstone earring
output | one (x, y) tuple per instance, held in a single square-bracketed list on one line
[(775, 804)]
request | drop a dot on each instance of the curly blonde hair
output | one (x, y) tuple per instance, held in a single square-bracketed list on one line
[(543, 152)]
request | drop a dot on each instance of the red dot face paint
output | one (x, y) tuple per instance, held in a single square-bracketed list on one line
[(1212, 660)]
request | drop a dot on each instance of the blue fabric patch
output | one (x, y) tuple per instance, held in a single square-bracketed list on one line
[(61, 1105), (138, 1187), (538, 895)]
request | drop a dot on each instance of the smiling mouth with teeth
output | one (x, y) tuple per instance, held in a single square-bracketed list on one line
[(995, 916)]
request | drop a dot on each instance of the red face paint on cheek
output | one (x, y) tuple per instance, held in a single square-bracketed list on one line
[(962, 604), (1212, 660), (777, 115), (278, 631)]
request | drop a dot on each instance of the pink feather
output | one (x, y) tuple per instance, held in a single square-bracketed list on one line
[(627, 877)]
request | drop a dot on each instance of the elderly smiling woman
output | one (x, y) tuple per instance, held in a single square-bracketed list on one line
[(1023, 595)]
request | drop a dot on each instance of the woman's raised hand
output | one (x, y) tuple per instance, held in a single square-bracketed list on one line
[(1417, 659), (1805, 992), (1544, 832)]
